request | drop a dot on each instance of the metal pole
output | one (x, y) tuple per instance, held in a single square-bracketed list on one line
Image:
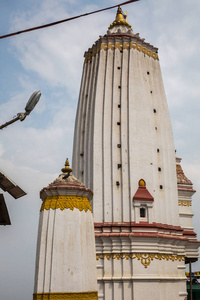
[(10, 122), (190, 280)]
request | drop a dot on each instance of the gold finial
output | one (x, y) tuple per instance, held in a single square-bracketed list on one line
[(142, 182), (119, 15), (120, 19), (125, 16), (66, 169)]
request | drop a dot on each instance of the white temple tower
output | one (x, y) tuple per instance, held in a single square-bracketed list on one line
[(65, 260), (124, 151)]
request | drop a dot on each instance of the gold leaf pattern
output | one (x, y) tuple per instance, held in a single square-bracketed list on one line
[(111, 46), (66, 202), (184, 203), (145, 258), (120, 46), (104, 46)]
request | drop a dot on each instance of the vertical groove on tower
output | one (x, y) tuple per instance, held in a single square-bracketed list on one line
[(124, 137), (80, 123), (48, 257), (42, 235), (104, 160), (87, 140), (97, 153), (112, 145), (76, 152), (160, 205), (107, 192), (116, 138), (129, 200), (122, 122), (84, 123), (52, 252)]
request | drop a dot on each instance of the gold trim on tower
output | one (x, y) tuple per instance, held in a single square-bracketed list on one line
[(184, 203), (120, 46), (66, 202), (66, 296), (145, 258)]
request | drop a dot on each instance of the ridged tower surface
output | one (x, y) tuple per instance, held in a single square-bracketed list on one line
[(124, 151)]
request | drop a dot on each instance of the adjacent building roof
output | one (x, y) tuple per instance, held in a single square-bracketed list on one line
[(7, 185)]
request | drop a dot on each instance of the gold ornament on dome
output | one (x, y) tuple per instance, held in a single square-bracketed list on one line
[(142, 183), (145, 258), (66, 202), (66, 169), (120, 19)]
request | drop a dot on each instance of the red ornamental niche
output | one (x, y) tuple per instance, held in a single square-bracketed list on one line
[(142, 194)]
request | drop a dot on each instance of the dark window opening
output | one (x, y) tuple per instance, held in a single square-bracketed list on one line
[(142, 212)]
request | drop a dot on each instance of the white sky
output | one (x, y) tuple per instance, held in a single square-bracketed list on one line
[(33, 152)]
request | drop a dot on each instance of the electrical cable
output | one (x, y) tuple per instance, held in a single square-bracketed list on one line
[(65, 20)]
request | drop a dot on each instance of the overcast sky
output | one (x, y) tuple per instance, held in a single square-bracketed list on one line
[(32, 152)]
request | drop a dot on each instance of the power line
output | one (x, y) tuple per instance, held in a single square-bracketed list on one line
[(65, 20)]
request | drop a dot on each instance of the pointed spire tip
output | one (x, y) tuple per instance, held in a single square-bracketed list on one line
[(66, 169)]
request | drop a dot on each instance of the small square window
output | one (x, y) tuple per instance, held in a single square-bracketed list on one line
[(142, 212)]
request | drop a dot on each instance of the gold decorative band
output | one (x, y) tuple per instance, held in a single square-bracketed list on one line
[(184, 203), (145, 258), (120, 46), (66, 202), (66, 296)]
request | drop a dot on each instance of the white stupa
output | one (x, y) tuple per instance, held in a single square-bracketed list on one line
[(66, 260), (124, 152)]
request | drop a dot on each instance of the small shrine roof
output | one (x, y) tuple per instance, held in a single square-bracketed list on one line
[(181, 178)]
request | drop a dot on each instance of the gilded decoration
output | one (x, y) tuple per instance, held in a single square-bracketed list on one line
[(65, 296), (120, 19), (145, 258), (66, 202), (184, 203), (120, 46)]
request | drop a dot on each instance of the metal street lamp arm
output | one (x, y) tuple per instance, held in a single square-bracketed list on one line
[(10, 122), (33, 100)]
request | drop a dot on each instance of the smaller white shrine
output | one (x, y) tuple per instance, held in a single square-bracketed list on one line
[(185, 193), (66, 259)]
